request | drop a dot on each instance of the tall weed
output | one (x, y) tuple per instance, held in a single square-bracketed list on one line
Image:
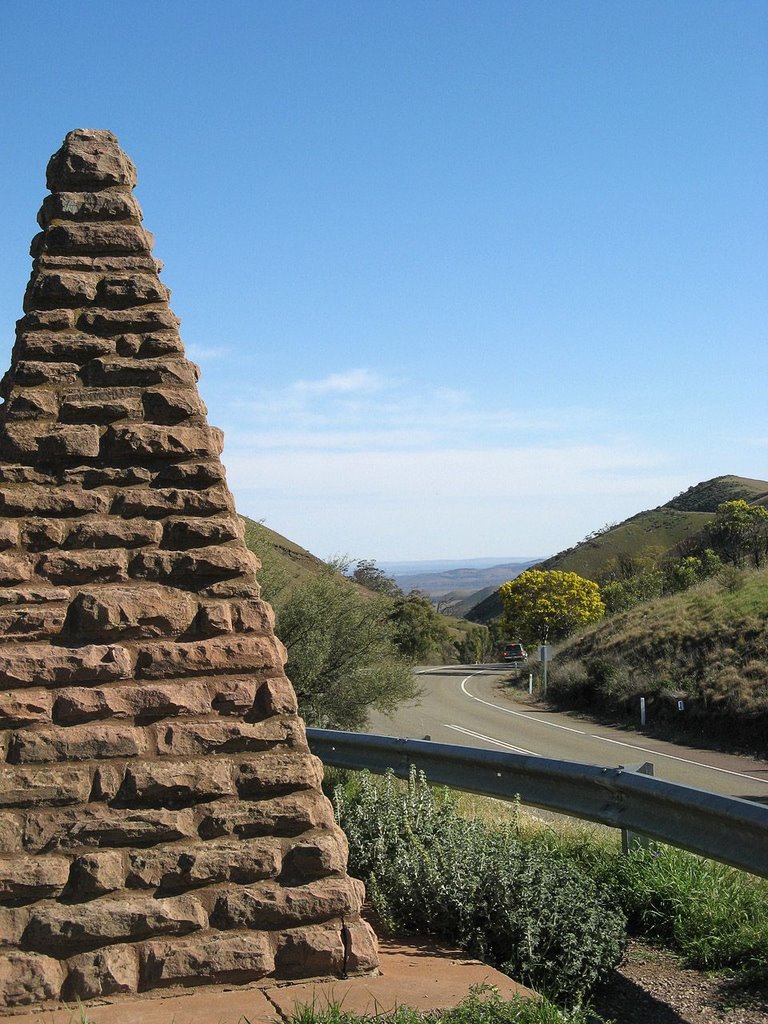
[(714, 915), (484, 1005)]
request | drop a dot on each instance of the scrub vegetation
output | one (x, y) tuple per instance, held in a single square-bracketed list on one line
[(552, 906), (483, 1006), (706, 647), (429, 870), (352, 635)]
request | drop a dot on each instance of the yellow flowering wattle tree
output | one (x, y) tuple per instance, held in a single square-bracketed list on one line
[(546, 606)]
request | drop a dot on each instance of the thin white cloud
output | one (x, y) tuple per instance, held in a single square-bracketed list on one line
[(332, 440), (453, 475), (386, 469), (206, 353), (359, 408), (432, 504), (360, 381)]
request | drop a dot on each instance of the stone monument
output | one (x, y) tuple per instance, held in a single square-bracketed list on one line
[(161, 817)]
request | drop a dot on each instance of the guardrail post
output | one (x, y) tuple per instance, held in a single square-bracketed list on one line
[(631, 840)]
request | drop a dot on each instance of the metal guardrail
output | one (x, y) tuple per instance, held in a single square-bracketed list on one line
[(724, 828)]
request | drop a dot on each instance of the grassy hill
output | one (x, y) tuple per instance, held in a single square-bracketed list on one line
[(286, 564), (460, 604), (647, 533), (705, 497), (707, 646), (652, 532)]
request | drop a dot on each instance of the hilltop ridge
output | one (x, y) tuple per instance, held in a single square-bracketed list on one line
[(652, 532), (706, 496)]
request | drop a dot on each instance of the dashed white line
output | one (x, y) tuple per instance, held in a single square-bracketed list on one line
[(605, 739)]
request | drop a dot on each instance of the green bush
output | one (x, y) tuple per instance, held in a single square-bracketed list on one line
[(715, 916), (342, 658), (484, 886), (429, 870)]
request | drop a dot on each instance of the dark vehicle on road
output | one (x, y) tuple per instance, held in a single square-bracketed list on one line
[(514, 652)]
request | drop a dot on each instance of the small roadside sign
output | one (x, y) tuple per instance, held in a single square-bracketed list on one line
[(545, 652)]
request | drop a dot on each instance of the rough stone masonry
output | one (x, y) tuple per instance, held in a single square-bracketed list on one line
[(161, 817)]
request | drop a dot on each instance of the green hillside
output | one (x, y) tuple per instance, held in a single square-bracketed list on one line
[(707, 647), (283, 563), (707, 496), (647, 533), (460, 604), (650, 533), (286, 564)]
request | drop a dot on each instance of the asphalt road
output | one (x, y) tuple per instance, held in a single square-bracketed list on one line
[(471, 706)]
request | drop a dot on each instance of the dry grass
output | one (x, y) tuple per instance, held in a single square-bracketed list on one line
[(707, 647)]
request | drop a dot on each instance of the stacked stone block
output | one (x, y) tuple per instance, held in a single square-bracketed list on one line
[(161, 818)]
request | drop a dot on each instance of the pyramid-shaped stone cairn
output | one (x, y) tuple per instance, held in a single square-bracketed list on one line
[(161, 817)]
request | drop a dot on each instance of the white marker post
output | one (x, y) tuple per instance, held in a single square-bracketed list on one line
[(642, 711)]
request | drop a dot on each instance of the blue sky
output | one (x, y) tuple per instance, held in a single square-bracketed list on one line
[(464, 279)]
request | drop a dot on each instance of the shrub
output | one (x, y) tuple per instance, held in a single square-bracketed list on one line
[(731, 578), (342, 658), (712, 914), (431, 871)]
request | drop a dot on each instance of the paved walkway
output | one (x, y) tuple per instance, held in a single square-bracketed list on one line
[(417, 974)]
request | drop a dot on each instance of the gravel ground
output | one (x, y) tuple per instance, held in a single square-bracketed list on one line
[(651, 987)]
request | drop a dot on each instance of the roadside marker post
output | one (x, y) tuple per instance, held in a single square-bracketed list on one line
[(632, 840)]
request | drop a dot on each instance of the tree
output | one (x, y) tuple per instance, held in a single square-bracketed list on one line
[(542, 606), (622, 594), (711, 563), (342, 658), (476, 646), (420, 633), (739, 532), (370, 576), (683, 574)]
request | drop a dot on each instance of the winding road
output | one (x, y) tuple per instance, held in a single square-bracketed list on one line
[(473, 706)]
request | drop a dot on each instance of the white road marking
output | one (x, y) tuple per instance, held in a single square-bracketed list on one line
[(508, 711), (632, 746), (490, 739)]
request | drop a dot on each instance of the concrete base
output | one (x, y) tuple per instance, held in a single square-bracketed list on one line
[(419, 975)]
